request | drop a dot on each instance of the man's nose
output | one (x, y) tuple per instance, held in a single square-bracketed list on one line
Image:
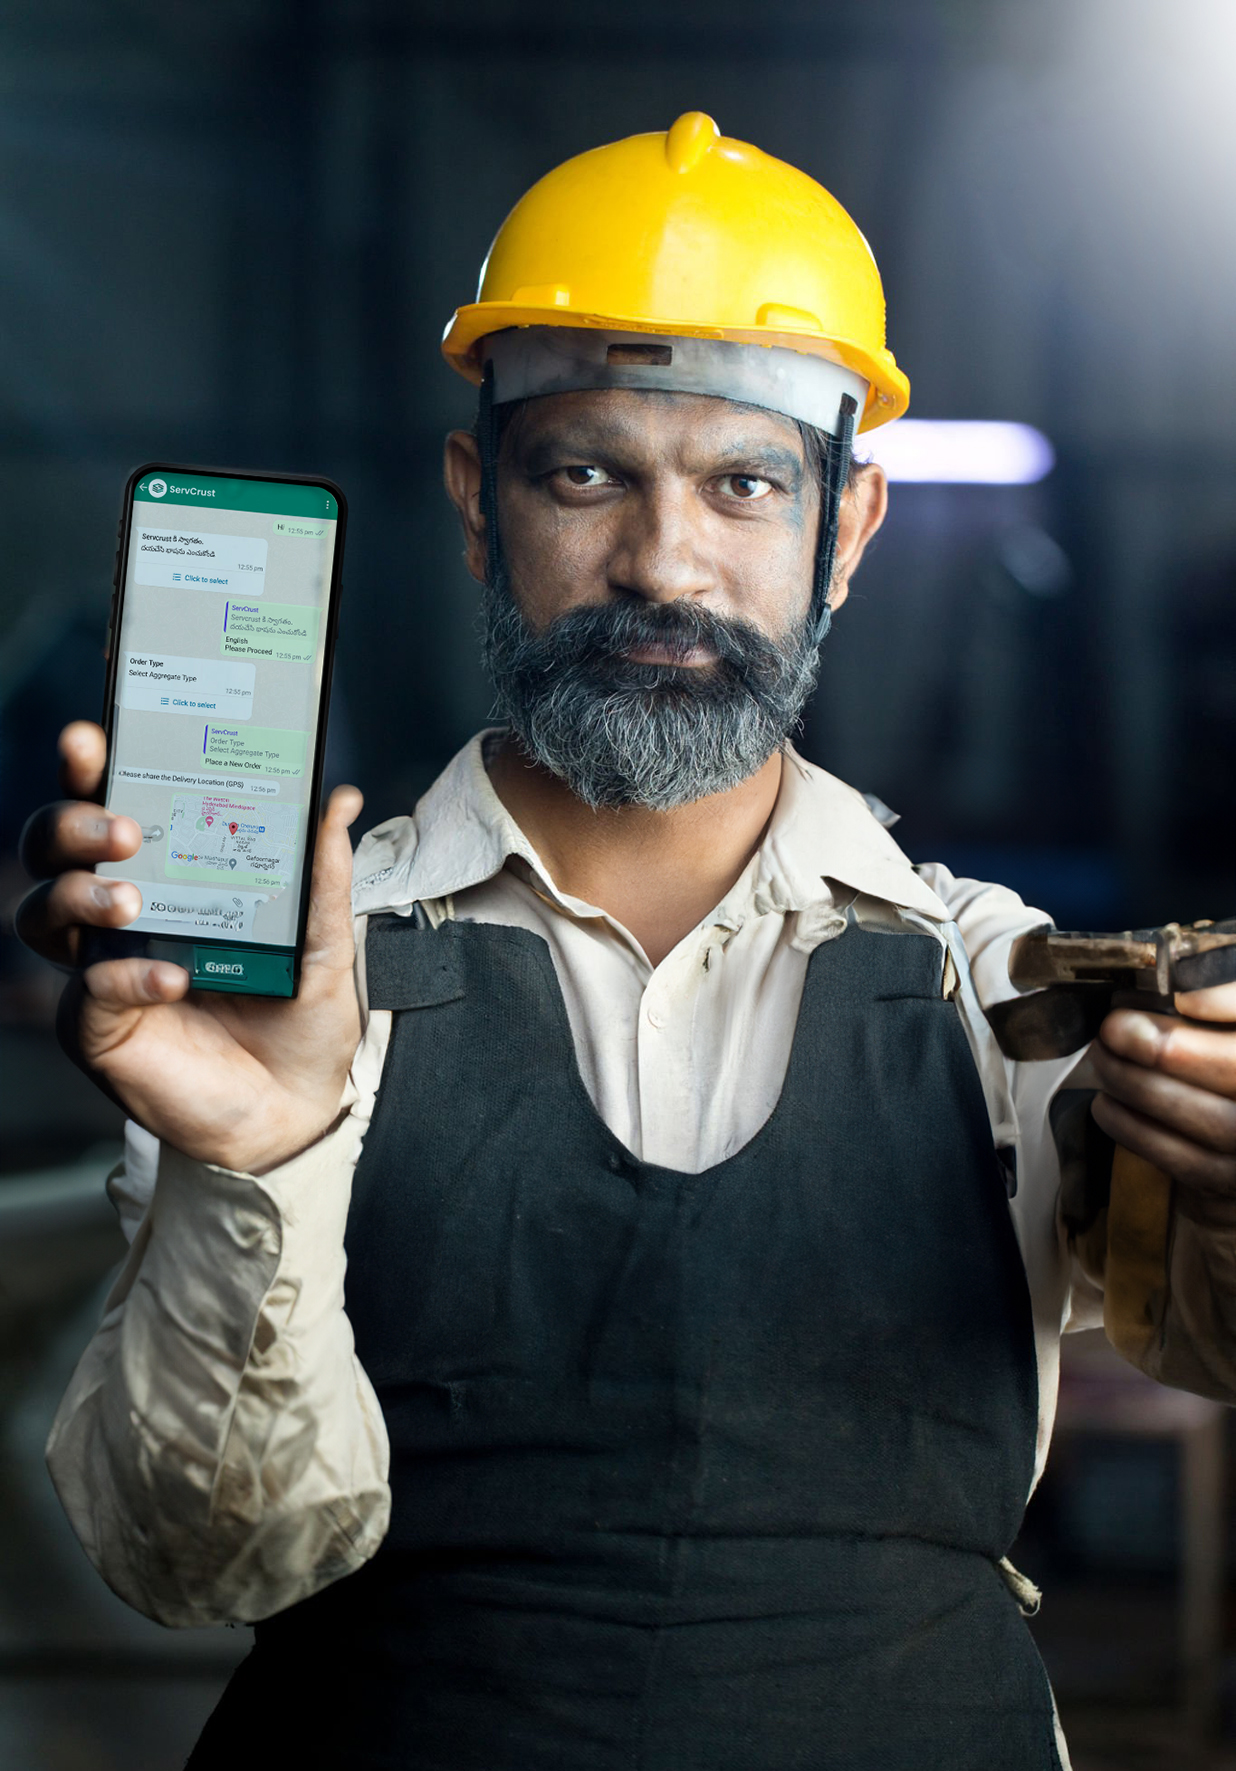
[(660, 553)]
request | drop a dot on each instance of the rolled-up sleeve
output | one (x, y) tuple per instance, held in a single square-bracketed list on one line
[(1168, 1276), (220, 1451), (1196, 1347)]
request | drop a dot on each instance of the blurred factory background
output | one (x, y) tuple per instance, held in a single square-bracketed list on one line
[(230, 234)]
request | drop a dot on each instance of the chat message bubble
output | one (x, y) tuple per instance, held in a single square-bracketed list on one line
[(260, 748), (155, 682), (190, 559), (219, 836), (300, 528), (280, 631), (204, 783), (196, 910)]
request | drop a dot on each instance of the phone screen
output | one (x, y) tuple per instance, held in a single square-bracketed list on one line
[(218, 670)]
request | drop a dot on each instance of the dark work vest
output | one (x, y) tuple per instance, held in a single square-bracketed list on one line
[(699, 1472)]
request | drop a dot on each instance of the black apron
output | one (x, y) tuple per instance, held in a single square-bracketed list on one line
[(689, 1472)]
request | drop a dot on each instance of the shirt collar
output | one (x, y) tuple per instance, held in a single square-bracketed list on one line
[(460, 835), (821, 831)]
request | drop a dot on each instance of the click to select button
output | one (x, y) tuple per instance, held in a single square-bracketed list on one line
[(228, 968)]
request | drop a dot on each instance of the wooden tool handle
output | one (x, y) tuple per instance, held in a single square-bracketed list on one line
[(1135, 1279)]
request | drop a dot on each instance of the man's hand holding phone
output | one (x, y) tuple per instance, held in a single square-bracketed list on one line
[(242, 1081)]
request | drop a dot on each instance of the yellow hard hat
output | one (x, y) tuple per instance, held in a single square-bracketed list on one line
[(694, 235)]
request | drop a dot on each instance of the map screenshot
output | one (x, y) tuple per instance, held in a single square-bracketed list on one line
[(219, 666)]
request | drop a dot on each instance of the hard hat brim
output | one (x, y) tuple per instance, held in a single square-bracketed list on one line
[(888, 398)]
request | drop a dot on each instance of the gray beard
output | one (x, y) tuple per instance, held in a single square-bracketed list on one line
[(624, 734)]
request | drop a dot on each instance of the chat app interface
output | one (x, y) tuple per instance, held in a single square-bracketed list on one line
[(220, 656)]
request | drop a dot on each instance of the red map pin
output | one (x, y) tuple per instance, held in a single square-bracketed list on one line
[(233, 828)]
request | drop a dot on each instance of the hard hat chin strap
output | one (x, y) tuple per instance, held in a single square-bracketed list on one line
[(487, 447), (834, 474)]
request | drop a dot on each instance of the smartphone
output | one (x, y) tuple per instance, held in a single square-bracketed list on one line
[(219, 659)]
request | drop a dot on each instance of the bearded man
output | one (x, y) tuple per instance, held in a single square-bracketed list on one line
[(697, 1349)]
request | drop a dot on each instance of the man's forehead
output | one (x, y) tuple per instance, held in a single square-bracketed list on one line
[(634, 417)]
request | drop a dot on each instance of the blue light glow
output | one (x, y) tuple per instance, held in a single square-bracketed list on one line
[(960, 452)]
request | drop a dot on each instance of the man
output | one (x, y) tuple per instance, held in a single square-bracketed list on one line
[(697, 1352)]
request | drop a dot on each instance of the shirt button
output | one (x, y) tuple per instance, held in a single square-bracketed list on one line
[(655, 1016)]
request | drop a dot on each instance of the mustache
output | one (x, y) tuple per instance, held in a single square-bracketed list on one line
[(625, 733), (603, 633)]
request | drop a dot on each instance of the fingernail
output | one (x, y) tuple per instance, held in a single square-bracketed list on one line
[(112, 897), (98, 827)]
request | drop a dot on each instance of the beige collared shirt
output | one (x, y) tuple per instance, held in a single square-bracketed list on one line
[(220, 1450)]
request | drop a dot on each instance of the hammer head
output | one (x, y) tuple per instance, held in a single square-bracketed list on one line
[(1073, 980)]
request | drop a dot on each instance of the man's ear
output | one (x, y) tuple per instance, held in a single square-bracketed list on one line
[(863, 508), (461, 474)]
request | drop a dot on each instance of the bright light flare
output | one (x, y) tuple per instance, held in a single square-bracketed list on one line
[(960, 452)]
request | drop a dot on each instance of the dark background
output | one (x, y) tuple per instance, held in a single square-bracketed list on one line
[(231, 234)]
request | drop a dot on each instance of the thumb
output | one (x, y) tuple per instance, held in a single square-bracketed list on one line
[(83, 758), (328, 935), (1215, 1003)]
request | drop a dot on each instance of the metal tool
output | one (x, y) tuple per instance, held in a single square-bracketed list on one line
[(1070, 983)]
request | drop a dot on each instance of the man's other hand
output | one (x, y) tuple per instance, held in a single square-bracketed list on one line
[(245, 1082), (1169, 1094)]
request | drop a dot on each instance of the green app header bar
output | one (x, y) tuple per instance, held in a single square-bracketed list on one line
[(215, 492)]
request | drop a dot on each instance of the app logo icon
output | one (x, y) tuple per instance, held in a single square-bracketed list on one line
[(157, 488)]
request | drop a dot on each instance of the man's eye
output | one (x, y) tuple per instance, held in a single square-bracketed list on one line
[(745, 487), (586, 476)]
